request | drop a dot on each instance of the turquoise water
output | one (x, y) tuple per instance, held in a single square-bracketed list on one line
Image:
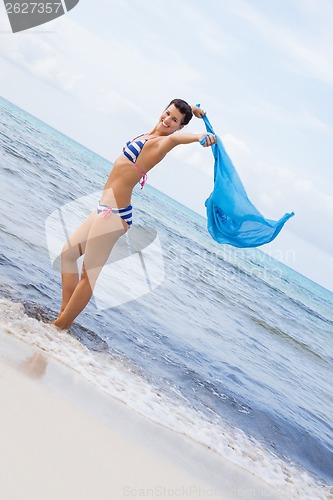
[(230, 339)]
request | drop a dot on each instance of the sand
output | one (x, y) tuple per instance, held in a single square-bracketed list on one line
[(63, 439)]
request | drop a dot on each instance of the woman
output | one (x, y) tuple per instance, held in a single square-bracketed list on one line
[(97, 235)]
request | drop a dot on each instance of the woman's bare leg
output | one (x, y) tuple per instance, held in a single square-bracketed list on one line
[(102, 236), (71, 252)]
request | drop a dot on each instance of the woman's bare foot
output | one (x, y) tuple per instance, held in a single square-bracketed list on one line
[(59, 324)]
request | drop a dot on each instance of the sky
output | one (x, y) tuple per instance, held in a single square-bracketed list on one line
[(263, 72)]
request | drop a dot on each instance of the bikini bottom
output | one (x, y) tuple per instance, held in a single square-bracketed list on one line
[(124, 213)]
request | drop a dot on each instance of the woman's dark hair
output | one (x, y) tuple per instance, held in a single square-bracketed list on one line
[(184, 108)]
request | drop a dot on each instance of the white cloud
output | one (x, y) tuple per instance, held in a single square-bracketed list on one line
[(296, 117), (305, 52), (196, 157), (236, 145), (94, 71), (312, 122)]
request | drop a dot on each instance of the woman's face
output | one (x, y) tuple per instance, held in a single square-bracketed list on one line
[(170, 120)]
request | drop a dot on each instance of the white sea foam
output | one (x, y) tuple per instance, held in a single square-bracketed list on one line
[(121, 382)]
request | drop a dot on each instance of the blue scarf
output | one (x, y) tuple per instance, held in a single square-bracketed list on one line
[(232, 218)]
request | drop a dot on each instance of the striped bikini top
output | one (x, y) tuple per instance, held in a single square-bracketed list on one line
[(132, 150)]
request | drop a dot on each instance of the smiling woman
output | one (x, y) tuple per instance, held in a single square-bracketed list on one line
[(97, 235)]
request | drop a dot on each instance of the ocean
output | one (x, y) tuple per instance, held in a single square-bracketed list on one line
[(226, 346)]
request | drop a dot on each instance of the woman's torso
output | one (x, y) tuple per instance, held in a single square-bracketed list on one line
[(125, 174)]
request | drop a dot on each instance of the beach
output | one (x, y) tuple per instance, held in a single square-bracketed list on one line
[(213, 364), (61, 438)]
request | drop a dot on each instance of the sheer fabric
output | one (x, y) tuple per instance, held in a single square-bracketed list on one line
[(232, 218)]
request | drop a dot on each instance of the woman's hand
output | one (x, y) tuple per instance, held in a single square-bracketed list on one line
[(207, 140), (198, 112)]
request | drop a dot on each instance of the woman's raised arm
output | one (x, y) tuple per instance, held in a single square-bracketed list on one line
[(198, 112)]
